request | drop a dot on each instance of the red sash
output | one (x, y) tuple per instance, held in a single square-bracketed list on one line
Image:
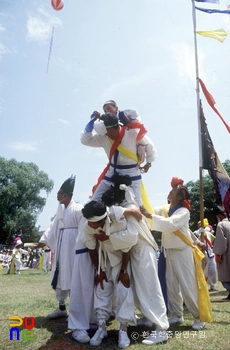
[(137, 125), (112, 150)]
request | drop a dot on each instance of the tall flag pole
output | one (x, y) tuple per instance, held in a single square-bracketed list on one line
[(208, 158), (199, 123)]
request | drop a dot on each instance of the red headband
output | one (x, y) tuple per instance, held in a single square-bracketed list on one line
[(176, 181), (186, 202)]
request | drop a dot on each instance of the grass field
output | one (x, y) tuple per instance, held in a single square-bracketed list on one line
[(29, 294)]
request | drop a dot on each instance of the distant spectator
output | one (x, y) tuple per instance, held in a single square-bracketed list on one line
[(17, 251), (222, 248)]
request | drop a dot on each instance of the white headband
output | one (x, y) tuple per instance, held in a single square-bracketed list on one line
[(97, 218)]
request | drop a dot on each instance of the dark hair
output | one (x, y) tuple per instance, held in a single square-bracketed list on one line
[(110, 102), (93, 208), (115, 195), (183, 192), (108, 197), (118, 180), (110, 120)]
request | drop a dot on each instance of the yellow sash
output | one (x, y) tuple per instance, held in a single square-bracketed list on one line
[(204, 304), (41, 261), (12, 266)]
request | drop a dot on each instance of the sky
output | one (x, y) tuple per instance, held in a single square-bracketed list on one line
[(141, 54)]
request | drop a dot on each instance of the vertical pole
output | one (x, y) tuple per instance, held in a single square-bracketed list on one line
[(199, 123)]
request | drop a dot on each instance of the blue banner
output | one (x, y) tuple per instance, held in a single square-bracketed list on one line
[(213, 11), (212, 1)]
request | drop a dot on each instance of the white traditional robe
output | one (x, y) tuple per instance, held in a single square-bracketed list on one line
[(17, 253), (147, 290), (128, 141), (61, 238), (81, 311), (110, 262), (180, 268)]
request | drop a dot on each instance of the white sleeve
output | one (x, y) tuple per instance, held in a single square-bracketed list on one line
[(88, 237), (132, 114), (125, 239), (151, 152), (171, 224), (92, 140)]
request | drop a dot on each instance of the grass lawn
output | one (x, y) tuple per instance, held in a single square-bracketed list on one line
[(29, 294)]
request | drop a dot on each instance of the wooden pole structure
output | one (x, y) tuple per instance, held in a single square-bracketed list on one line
[(199, 124)]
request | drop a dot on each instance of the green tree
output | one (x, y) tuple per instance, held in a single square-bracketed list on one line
[(21, 200), (209, 198)]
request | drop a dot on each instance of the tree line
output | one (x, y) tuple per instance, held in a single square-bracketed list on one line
[(21, 200)]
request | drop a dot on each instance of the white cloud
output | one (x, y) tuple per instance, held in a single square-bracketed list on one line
[(24, 146), (2, 29), (63, 121), (39, 27)]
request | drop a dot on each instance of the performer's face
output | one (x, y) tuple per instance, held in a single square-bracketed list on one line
[(60, 196), (110, 109), (112, 133), (173, 196), (96, 224)]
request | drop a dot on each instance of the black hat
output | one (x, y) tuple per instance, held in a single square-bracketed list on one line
[(110, 120), (218, 210), (68, 186)]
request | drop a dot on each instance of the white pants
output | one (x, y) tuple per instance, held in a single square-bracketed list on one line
[(210, 271), (81, 312), (17, 263), (103, 298), (46, 266), (105, 185), (181, 282), (147, 290), (61, 295)]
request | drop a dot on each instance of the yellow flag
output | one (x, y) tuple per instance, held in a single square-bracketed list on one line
[(218, 34)]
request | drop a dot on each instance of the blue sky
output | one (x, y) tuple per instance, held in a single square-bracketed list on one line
[(139, 53)]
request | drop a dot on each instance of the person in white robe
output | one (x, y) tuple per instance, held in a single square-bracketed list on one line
[(17, 253), (180, 268), (110, 256), (147, 290), (210, 271), (81, 312), (46, 259), (126, 117), (61, 238), (108, 130)]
